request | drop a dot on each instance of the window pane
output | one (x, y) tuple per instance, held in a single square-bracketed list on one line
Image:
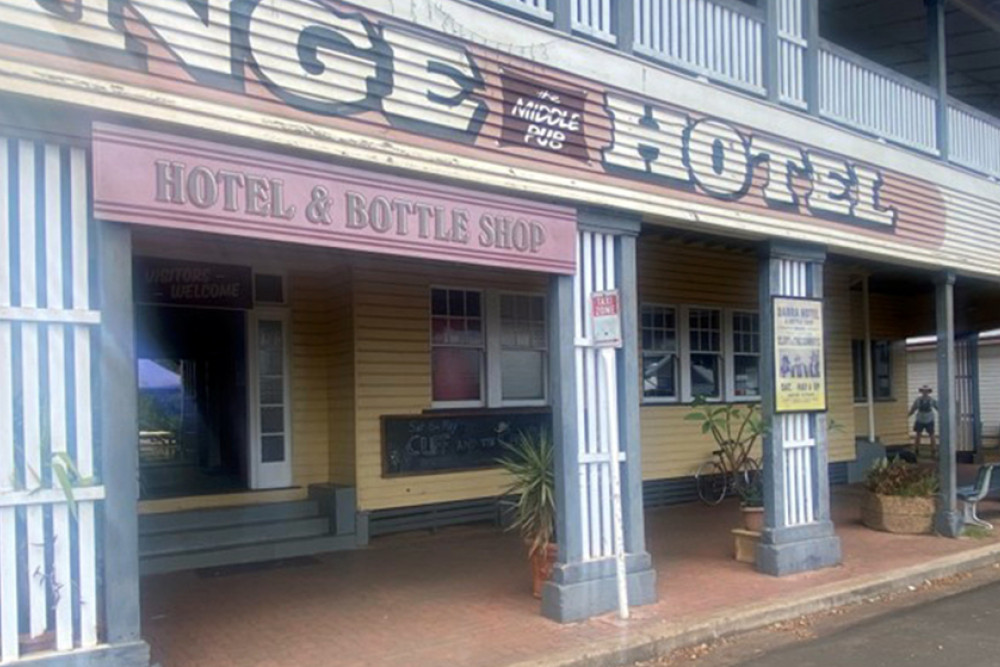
[(272, 448), (747, 376), (268, 289), (439, 302), (659, 376), (456, 374), (858, 366), (456, 302), (705, 379), (523, 375), (472, 307), (272, 390), (272, 420), (270, 347), (882, 362)]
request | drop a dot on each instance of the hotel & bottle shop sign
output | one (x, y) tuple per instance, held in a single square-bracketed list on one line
[(163, 180)]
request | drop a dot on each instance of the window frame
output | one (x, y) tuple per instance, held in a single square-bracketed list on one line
[(678, 362), (727, 354), (491, 369), (482, 360), (731, 354), (495, 348), (686, 352), (861, 397)]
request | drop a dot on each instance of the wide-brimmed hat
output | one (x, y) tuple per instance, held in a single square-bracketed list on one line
[(926, 389)]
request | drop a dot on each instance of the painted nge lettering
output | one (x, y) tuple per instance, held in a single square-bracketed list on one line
[(307, 53), (715, 158)]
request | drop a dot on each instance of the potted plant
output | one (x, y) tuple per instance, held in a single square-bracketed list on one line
[(529, 461), (900, 498), (752, 503)]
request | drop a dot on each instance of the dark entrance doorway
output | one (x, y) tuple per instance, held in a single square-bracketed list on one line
[(192, 400)]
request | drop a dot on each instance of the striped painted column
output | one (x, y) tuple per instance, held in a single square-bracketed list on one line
[(798, 533), (48, 537), (51, 482), (595, 407)]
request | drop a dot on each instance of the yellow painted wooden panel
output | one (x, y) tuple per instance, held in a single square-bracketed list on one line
[(673, 447), (308, 299), (391, 307)]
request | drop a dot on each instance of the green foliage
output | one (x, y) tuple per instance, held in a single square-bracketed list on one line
[(899, 478), (729, 423), (752, 493), (529, 461)]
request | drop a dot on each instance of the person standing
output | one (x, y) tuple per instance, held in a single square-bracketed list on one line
[(924, 407)]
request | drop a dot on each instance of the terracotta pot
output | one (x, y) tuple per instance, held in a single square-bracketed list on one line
[(541, 567), (898, 514), (753, 518)]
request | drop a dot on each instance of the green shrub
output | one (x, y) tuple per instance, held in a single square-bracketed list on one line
[(899, 478)]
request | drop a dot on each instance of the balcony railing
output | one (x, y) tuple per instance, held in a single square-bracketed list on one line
[(974, 138), (706, 37), (874, 99), (778, 56)]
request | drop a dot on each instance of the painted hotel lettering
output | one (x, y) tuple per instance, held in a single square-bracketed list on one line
[(715, 158), (329, 62)]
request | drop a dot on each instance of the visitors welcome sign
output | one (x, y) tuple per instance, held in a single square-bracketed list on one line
[(800, 376)]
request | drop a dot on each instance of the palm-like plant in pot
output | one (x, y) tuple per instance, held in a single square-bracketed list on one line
[(529, 462)]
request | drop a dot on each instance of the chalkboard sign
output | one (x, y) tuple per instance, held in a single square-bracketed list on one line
[(451, 441)]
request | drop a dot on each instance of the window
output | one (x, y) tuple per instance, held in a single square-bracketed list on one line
[(746, 355), (691, 351), (268, 288), (705, 340), (457, 345), (523, 345), (659, 352), (488, 348), (881, 370)]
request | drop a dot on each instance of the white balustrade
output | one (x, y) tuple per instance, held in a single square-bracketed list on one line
[(791, 53), (868, 97), (974, 139), (537, 8), (706, 37), (593, 18)]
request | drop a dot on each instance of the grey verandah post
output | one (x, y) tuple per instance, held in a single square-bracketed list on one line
[(119, 433), (583, 579), (772, 50), (948, 521), (798, 533), (938, 69)]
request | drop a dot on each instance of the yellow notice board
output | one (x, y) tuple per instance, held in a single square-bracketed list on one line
[(799, 372)]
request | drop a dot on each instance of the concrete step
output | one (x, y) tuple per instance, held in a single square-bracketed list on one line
[(150, 524), (216, 537), (247, 553)]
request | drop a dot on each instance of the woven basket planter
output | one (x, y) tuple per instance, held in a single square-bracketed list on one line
[(898, 514)]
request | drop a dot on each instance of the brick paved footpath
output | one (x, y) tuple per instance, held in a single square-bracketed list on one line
[(462, 596)]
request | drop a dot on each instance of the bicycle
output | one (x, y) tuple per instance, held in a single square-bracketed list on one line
[(732, 469)]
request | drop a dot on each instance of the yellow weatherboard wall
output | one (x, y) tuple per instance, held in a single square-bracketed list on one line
[(392, 353), (672, 272), (891, 320)]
